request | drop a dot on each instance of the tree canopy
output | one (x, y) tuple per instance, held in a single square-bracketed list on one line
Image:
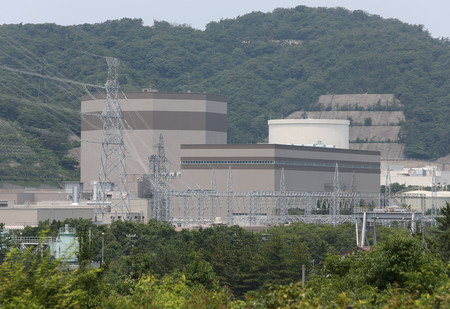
[(227, 267)]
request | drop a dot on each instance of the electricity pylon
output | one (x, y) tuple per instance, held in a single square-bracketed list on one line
[(112, 178)]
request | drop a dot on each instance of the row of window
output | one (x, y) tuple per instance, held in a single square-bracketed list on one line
[(327, 164), (247, 214), (288, 163), (228, 162)]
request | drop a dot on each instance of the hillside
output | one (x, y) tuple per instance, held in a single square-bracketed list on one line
[(268, 64), (375, 120)]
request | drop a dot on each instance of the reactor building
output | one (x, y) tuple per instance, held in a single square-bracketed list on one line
[(181, 118)]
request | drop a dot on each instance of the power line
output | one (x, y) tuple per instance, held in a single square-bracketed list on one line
[(64, 80), (34, 59)]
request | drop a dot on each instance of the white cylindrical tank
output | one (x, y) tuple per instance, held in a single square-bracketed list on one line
[(310, 132)]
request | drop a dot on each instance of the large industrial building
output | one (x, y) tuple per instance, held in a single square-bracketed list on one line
[(182, 118), (258, 167)]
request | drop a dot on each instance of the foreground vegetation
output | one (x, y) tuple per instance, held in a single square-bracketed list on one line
[(267, 64), (228, 267)]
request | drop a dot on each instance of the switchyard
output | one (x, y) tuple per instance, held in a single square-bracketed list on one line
[(191, 208)]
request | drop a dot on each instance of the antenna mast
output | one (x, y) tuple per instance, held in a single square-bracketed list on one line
[(112, 177)]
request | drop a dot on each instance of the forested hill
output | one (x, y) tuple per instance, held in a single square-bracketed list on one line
[(268, 64)]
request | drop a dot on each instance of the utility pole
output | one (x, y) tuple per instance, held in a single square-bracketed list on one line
[(130, 237), (103, 246), (434, 208), (387, 188)]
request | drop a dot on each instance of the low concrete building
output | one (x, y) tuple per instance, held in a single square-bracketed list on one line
[(18, 216)]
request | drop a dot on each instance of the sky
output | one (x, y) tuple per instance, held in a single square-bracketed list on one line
[(433, 14)]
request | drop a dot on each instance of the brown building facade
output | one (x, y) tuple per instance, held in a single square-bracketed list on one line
[(182, 118)]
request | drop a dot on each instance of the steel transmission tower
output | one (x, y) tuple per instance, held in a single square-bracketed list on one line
[(112, 183), (161, 183)]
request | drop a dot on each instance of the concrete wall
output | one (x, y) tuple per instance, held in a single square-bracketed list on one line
[(319, 175), (18, 217), (60, 214), (32, 215), (14, 198)]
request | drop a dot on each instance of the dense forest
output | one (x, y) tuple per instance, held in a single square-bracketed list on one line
[(267, 64), (153, 266)]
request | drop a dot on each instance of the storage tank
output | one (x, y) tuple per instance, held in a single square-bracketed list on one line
[(310, 132)]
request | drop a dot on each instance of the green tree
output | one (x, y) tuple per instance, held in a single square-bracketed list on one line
[(4, 243), (37, 281), (389, 261), (442, 243)]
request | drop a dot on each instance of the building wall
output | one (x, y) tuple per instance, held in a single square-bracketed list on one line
[(258, 167), (21, 198), (23, 216), (32, 215), (18, 217), (60, 214), (180, 118), (59, 195), (14, 198)]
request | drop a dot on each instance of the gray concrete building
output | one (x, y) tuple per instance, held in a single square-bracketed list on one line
[(18, 216)]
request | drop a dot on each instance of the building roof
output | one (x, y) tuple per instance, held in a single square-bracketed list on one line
[(161, 95), (280, 147)]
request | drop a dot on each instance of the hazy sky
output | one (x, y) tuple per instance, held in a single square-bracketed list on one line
[(433, 14)]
